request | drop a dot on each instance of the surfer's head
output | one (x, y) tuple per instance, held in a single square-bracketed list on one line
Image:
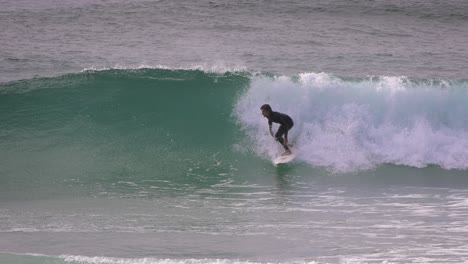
[(266, 110)]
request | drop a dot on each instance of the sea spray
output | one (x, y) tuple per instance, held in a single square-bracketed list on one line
[(355, 124)]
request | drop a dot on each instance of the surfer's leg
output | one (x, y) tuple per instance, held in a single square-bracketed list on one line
[(279, 137), (286, 141), (279, 134)]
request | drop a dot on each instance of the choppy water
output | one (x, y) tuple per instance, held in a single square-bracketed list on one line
[(350, 38), (130, 132)]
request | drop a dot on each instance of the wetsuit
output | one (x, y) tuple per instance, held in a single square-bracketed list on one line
[(285, 122)]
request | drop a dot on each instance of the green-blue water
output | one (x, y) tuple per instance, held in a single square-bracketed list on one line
[(117, 125)]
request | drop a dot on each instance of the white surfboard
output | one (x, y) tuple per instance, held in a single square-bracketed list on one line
[(284, 158)]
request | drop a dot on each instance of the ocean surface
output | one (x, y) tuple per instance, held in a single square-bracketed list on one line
[(130, 131)]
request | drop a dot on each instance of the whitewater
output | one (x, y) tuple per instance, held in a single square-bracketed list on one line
[(353, 124)]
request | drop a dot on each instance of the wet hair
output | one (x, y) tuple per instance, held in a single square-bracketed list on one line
[(266, 107)]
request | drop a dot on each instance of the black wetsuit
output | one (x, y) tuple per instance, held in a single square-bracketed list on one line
[(285, 122)]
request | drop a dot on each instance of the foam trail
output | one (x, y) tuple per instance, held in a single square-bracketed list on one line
[(349, 125)]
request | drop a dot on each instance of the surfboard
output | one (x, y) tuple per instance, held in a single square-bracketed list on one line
[(284, 158)]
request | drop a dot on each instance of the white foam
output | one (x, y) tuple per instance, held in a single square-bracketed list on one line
[(110, 260), (349, 125)]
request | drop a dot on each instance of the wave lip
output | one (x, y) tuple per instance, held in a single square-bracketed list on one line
[(219, 68)]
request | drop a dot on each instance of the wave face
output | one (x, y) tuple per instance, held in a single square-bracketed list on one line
[(113, 126), (165, 123)]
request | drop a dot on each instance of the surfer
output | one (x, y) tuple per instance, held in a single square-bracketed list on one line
[(285, 122)]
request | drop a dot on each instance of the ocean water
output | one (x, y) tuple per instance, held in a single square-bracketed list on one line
[(130, 132)]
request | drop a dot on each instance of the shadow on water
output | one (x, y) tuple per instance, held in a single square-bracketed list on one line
[(431, 176), (395, 175), (283, 174), (289, 175)]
